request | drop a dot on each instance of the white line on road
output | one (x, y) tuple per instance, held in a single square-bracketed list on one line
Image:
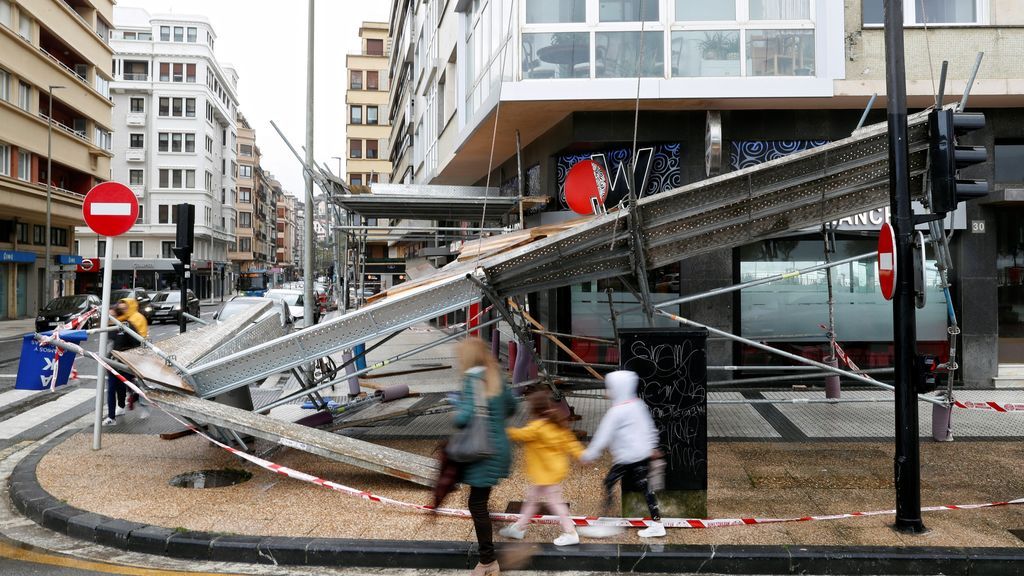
[(12, 396), (13, 426)]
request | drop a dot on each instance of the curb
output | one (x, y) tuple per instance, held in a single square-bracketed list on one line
[(35, 503)]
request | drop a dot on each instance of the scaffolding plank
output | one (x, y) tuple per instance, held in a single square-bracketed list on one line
[(359, 453)]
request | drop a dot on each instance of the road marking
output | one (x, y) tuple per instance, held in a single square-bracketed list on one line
[(12, 396), (13, 426), (110, 209), (39, 556)]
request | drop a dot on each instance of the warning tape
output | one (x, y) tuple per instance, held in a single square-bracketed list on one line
[(72, 325), (686, 523)]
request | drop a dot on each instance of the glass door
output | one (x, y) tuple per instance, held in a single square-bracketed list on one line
[(1010, 273)]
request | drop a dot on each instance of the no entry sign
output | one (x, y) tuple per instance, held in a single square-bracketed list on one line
[(887, 261), (110, 209)]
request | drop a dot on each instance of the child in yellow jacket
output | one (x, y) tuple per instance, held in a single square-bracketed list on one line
[(548, 443)]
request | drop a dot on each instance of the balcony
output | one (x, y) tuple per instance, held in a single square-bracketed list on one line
[(81, 134), (135, 155), (135, 77), (136, 119), (138, 189)]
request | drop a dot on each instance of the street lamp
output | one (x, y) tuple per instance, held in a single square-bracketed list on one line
[(338, 158), (49, 193)]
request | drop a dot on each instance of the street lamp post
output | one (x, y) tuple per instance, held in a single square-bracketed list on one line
[(49, 196), (338, 158)]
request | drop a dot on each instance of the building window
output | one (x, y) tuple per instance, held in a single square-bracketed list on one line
[(5, 159), (138, 105), (245, 195), (372, 78), (245, 149), (140, 219), (245, 219), (355, 148), (209, 145), (5, 81), (355, 80), (165, 33), (245, 171), (101, 248), (556, 11), (375, 47), (916, 12), (176, 178), (572, 48), (356, 115), (135, 177), (58, 236), (780, 52), (616, 54), (22, 233), (25, 26), (1009, 162), (5, 13), (245, 244), (209, 181), (24, 96), (135, 248), (193, 34), (179, 33), (177, 107), (136, 140), (166, 247), (355, 179), (38, 234), (371, 115), (371, 149), (24, 166)]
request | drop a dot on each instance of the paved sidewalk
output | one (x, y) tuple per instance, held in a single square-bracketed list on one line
[(12, 329)]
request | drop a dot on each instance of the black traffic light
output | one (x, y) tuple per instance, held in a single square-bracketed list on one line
[(926, 376), (179, 268), (186, 220), (944, 126), (182, 254)]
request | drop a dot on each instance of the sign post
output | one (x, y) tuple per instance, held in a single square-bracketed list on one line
[(110, 209)]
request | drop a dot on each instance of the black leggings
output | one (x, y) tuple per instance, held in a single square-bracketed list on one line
[(636, 475), (116, 392), (478, 497)]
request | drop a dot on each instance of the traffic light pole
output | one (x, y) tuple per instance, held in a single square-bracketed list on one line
[(907, 464)]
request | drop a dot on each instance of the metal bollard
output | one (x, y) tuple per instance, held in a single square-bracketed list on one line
[(832, 390), (942, 423)]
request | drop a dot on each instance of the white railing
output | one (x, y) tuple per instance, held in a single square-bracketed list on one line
[(133, 77), (65, 66), (66, 128)]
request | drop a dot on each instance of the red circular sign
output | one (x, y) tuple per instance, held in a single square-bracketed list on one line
[(110, 209), (585, 182), (887, 261)]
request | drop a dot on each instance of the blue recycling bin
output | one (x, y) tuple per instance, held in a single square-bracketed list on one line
[(37, 361), (360, 360)]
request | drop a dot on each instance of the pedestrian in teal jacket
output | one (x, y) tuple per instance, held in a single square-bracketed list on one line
[(481, 373)]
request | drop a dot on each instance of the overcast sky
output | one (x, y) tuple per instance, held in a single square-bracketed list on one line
[(265, 40)]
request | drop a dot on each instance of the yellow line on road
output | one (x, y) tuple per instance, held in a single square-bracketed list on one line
[(14, 552)]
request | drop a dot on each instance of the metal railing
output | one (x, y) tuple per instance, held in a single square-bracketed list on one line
[(66, 128), (132, 77), (74, 72)]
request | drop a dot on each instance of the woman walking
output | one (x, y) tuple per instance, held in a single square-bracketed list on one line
[(481, 375)]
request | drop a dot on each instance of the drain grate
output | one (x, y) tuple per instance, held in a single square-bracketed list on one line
[(210, 478)]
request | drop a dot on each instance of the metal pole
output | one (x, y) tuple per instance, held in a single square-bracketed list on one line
[(102, 351), (307, 257), (522, 184), (906, 465), (47, 288), (864, 116), (970, 82)]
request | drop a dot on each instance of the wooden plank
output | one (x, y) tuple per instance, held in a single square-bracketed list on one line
[(555, 340)]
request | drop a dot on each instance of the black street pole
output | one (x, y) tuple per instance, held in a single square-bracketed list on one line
[(907, 464), (182, 321)]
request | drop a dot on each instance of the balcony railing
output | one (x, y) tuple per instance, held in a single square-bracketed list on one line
[(135, 155), (135, 77), (65, 66), (42, 185), (66, 128)]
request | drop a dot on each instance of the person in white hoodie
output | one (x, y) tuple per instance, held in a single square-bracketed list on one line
[(628, 431)]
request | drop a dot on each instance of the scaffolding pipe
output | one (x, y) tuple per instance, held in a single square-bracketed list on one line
[(419, 228), (776, 368), (791, 377)]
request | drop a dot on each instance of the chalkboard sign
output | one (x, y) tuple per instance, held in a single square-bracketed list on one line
[(672, 369)]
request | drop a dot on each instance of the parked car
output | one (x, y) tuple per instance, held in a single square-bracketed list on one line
[(167, 305), (239, 303), (144, 299), (296, 305), (65, 308)]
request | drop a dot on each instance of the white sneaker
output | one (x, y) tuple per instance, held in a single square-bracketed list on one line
[(567, 539), (511, 531), (119, 411), (108, 421), (599, 531), (655, 530)]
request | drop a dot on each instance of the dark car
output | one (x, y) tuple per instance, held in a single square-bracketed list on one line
[(141, 296), (167, 306), (65, 308)]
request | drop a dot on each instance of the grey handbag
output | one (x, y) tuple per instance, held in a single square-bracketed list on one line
[(473, 443)]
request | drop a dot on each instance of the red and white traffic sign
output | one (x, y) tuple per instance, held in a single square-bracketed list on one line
[(110, 209), (586, 187), (887, 260)]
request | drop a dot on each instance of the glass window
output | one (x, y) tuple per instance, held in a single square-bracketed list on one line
[(165, 107), (24, 96), (165, 33), (179, 34), (1009, 162), (375, 47), (24, 166), (702, 10), (556, 55), (629, 10), (5, 159), (25, 26), (163, 141), (166, 247), (355, 80), (926, 12), (780, 52), (135, 177), (555, 11), (165, 72), (176, 178), (190, 142), (136, 140), (371, 115), (355, 148), (190, 178), (5, 12), (192, 34), (138, 105), (356, 115), (706, 53), (355, 179), (372, 77), (101, 247), (176, 107), (371, 148), (617, 54), (780, 9), (5, 84), (245, 171), (135, 248), (190, 107)]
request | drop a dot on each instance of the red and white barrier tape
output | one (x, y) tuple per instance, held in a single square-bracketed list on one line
[(73, 325), (689, 523)]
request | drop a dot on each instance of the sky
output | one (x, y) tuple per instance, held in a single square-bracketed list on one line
[(266, 44)]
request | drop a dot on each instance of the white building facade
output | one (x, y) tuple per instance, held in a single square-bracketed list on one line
[(174, 143)]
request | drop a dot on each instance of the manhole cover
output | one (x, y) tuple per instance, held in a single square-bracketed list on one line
[(210, 478)]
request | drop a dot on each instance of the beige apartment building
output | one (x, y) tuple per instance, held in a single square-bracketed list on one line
[(286, 236), (367, 98), (61, 47), (243, 255)]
